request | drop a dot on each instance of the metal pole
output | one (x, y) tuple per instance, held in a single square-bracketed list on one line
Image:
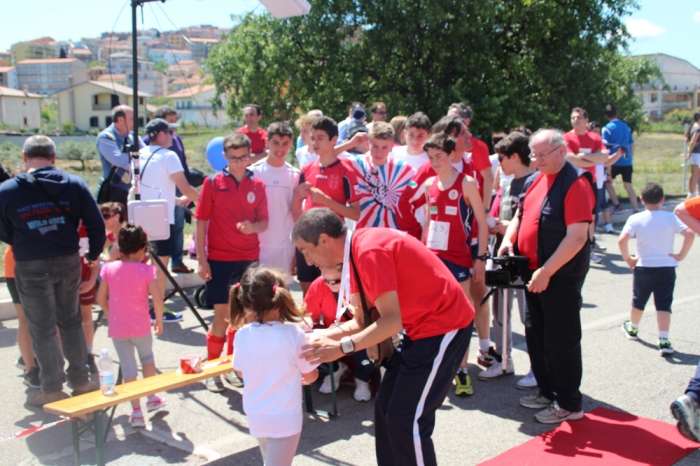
[(685, 161)]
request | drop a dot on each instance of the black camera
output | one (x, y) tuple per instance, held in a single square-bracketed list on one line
[(508, 272)]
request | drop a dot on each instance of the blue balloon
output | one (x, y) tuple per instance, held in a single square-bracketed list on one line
[(215, 154)]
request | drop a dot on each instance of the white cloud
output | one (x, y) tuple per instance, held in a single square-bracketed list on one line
[(696, 18), (644, 28)]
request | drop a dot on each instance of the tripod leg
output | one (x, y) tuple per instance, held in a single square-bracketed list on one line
[(180, 291), (505, 325)]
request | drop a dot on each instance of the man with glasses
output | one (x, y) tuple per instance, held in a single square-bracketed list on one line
[(161, 175), (378, 112), (551, 229), (231, 212)]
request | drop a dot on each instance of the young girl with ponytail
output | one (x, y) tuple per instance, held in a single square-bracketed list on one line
[(267, 355)]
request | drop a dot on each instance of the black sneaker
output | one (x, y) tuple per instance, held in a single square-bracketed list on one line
[(91, 364), (31, 378), (20, 363)]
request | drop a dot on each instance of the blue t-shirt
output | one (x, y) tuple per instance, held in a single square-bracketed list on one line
[(617, 134)]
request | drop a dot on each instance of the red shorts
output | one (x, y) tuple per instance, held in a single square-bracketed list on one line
[(89, 297), (692, 205)]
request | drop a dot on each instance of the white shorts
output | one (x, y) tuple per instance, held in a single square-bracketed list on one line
[(279, 258), (695, 158)]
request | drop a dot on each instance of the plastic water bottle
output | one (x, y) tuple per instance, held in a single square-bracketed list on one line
[(106, 366)]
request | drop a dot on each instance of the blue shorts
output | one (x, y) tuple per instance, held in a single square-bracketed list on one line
[(166, 247), (305, 272), (223, 275), (460, 273), (657, 280)]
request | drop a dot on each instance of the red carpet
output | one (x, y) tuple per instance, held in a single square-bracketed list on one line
[(603, 437)]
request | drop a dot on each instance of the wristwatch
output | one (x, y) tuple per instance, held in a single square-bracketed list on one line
[(485, 257), (346, 345)]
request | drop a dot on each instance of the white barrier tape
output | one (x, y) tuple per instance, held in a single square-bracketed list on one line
[(33, 430)]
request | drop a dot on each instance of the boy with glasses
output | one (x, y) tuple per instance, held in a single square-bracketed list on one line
[(231, 212)]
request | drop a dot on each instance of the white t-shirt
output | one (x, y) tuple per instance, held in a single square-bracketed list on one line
[(654, 231), (415, 161), (155, 179), (305, 155), (280, 183), (268, 356)]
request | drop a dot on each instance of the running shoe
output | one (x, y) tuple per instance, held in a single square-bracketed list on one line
[(595, 258), (496, 370), (215, 384), (169, 317), (553, 414), (136, 419), (535, 401), (233, 379), (362, 391), (463, 384), (337, 375), (529, 381), (616, 209), (20, 364), (31, 378), (488, 358), (598, 248), (155, 402), (665, 348), (687, 413), (630, 332)]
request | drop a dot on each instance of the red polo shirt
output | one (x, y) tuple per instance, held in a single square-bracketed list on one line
[(337, 180), (258, 140), (225, 202), (578, 207), (590, 140), (432, 302)]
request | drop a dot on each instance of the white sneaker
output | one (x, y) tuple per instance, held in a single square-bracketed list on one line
[(496, 370), (362, 391), (326, 385), (595, 258), (687, 413), (527, 382)]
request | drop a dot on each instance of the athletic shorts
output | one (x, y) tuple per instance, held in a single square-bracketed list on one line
[(626, 173), (692, 205), (657, 280), (279, 258), (12, 288), (223, 275), (695, 158), (165, 247), (460, 272), (306, 272), (89, 297)]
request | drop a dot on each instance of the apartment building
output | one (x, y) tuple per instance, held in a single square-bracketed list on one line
[(8, 77), (46, 76), (683, 92), (33, 50), (19, 108)]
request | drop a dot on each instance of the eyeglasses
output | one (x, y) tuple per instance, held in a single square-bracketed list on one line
[(535, 156), (238, 159), (332, 282), (108, 215)]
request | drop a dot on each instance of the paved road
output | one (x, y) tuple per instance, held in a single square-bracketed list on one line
[(199, 426)]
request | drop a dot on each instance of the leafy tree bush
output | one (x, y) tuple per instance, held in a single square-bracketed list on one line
[(81, 151)]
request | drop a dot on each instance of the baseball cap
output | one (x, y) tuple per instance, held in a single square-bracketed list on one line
[(157, 125), (358, 113)]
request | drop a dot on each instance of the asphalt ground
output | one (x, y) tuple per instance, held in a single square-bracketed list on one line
[(200, 427)]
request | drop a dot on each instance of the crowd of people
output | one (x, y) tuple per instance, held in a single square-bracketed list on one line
[(367, 202)]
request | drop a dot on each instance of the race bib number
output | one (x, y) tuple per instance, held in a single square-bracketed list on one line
[(438, 235)]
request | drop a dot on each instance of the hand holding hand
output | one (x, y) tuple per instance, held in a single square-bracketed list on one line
[(321, 349)]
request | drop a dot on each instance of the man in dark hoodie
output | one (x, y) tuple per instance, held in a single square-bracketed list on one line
[(39, 216)]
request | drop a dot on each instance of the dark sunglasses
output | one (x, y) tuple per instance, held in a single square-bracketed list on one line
[(108, 215), (332, 282)]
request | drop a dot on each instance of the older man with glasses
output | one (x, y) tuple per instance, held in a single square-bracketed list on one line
[(550, 228)]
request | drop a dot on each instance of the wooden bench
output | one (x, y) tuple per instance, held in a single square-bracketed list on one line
[(87, 411)]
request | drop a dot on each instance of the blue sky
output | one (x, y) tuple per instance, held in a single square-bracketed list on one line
[(665, 26)]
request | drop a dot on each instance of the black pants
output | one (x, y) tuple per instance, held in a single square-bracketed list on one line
[(413, 388), (553, 336)]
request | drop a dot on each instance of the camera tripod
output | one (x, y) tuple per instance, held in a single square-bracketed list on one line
[(504, 302)]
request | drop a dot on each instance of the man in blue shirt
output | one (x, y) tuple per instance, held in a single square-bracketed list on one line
[(356, 114), (616, 134), (39, 216)]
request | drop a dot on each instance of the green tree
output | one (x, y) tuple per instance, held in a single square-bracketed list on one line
[(160, 101), (68, 128), (94, 63), (81, 151), (10, 155), (161, 66), (516, 62)]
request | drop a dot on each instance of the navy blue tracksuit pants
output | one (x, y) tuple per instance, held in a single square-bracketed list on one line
[(413, 388), (693, 389)]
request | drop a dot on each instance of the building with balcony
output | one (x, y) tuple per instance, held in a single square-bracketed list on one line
[(19, 108), (33, 50), (195, 106), (200, 47), (150, 80), (8, 77), (682, 91), (89, 104), (169, 56), (50, 75)]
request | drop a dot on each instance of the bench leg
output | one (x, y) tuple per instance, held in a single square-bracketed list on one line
[(308, 402), (76, 441), (99, 438), (333, 391)]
